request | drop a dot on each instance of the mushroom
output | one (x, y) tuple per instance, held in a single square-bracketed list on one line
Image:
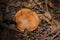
[(26, 19)]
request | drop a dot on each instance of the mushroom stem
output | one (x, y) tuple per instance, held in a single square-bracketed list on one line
[(25, 34)]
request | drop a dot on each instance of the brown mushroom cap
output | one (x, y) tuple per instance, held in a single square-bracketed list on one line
[(26, 19)]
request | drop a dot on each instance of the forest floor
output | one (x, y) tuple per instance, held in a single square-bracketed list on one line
[(47, 10)]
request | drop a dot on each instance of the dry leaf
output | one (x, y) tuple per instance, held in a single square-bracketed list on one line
[(46, 16), (54, 4), (55, 26)]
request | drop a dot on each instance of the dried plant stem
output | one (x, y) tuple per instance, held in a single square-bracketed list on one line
[(46, 5), (55, 35)]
